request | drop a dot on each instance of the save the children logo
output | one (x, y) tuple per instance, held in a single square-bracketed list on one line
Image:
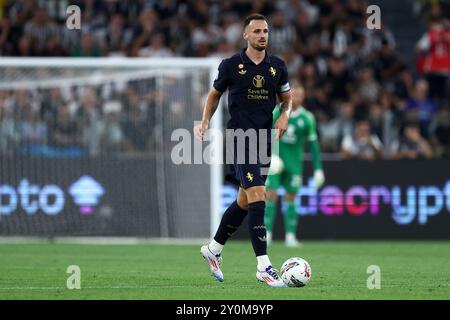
[(258, 81)]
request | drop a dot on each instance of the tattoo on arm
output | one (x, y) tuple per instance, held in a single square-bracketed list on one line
[(284, 106)]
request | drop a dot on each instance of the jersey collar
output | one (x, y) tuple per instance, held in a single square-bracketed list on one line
[(245, 59)]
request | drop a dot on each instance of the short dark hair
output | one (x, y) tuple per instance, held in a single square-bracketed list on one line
[(254, 16)]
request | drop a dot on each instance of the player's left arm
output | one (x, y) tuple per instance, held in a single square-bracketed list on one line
[(314, 148), (285, 106)]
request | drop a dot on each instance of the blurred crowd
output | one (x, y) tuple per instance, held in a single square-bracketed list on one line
[(367, 101)]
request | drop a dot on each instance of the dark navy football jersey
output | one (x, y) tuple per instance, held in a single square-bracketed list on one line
[(252, 89)]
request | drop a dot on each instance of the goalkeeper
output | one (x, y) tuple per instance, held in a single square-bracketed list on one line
[(287, 167)]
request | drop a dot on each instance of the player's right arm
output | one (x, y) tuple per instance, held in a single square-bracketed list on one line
[(212, 101), (220, 85)]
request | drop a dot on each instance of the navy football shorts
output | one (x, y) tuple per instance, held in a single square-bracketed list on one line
[(247, 171), (246, 175)]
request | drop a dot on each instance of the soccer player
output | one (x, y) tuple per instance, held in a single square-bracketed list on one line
[(254, 78), (287, 167)]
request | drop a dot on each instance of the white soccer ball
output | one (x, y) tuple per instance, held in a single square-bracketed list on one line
[(295, 272)]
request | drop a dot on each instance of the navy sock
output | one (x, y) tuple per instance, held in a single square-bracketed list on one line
[(257, 228), (231, 220)]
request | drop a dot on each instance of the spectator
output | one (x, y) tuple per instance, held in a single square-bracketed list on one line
[(65, 132), (346, 39), (411, 144), (308, 76), (9, 135), (420, 107), (136, 133), (265, 7), (32, 130), (339, 127), (204, 36), (293, 61), (232, 29), (135, 127), (282, 34), (52, 100), (392, 118), (22, 11), (54, 47), (326, 20), (367, 87), (317, 101), (440, 133), (377, 37), (167, 11), (88, 47), (5, 40), (404, 84), (111, 135), (387, 63), (224, 50), (24, 47), (337, 78), (362, 143), (304, 28), (116, 38), (148, 21), (88, 119), (434, 48), (40, 29), (156, 48)]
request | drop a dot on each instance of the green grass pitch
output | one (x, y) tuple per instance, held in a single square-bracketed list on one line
[(409, 270)]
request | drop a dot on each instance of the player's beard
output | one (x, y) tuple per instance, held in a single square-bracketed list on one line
[(258, 46)]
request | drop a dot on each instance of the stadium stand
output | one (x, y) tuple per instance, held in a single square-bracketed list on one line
[(349, 72)]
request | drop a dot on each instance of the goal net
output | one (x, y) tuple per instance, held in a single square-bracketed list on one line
[(86, 148)]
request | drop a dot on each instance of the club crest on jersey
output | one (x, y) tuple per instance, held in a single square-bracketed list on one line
[(273, 71), (249, 176), (258, 81), (241, 69)]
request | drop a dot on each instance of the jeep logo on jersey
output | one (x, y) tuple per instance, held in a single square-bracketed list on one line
[(86, 193)]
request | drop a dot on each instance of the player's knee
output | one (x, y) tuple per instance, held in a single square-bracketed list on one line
[(242, 199), (242, 203), (255, 194)]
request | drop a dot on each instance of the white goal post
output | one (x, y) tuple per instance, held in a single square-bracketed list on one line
[(38, 73)]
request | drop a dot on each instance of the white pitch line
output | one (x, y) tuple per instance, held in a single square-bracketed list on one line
[(109, 287), (197, 287)]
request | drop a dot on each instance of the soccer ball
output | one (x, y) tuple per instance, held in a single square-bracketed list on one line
[(295, 272)]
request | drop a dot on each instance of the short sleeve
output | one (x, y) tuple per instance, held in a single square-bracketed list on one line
[(283, 84), (221, 82)]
